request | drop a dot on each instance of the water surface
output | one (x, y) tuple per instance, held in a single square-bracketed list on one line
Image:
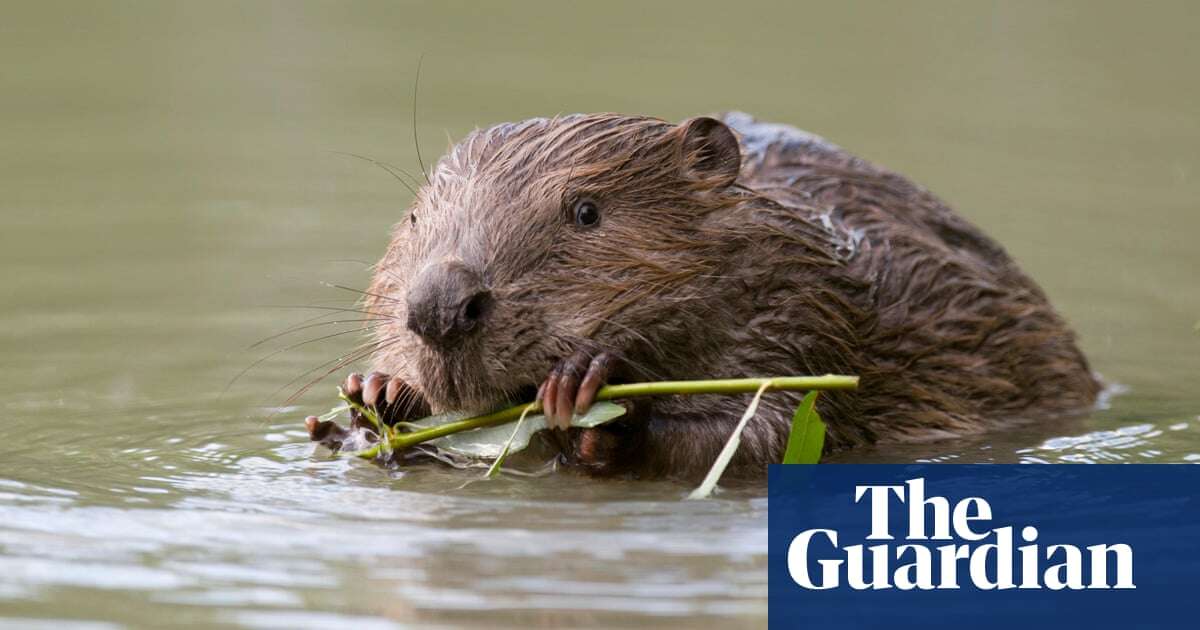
[(171, 189)]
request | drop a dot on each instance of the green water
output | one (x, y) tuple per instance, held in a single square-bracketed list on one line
[(169, 183)]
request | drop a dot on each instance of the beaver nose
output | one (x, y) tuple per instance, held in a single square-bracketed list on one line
[(447, 302)]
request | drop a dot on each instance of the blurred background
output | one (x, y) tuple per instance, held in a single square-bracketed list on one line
[(172, 191)]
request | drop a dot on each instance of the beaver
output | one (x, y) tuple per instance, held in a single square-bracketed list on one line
[(554, 255)]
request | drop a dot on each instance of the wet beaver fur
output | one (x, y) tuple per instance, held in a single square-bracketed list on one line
[(554, 255)]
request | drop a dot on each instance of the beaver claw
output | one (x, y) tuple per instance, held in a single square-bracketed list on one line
[(329, 433), (572, 385), (391, 398)]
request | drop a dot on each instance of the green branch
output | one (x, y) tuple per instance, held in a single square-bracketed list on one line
[(401, 441)]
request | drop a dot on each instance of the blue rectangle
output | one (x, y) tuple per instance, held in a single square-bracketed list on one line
[(1151, 508)]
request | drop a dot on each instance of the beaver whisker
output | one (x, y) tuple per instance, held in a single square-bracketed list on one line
[(280, 351), (301, 327), (337, 309), (415, 135), (357, 354), (390, 169), (360, 292), (335, 312)]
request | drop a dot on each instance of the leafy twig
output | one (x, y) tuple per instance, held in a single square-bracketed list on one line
[(400, 441)]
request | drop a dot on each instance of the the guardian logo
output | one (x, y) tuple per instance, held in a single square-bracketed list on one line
[(972, 553)]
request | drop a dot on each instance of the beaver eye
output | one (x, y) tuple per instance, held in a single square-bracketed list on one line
[(587, 214), (412, 218)]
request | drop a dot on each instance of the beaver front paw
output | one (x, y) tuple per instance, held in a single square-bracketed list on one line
[(572, 385), (570, 389), (390, 398)]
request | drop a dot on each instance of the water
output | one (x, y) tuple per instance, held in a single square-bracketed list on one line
[(171, 183)]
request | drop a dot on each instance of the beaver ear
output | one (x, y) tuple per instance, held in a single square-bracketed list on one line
[(709, 150)]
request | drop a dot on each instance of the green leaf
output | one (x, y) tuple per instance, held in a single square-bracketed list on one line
[(807, 438), (504, 440)]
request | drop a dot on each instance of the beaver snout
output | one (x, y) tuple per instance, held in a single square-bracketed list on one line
[(447, 303)]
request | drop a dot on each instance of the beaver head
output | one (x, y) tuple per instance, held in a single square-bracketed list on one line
[(534, 240)]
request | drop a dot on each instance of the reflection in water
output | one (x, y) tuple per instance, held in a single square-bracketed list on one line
[(173, 195)]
